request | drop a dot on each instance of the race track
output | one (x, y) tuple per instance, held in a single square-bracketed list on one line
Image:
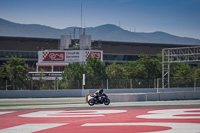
[(184, 119)]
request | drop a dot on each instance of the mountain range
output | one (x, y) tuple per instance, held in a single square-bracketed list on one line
[(107, 32)]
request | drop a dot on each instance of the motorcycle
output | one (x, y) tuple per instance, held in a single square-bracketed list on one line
[(103, 100)]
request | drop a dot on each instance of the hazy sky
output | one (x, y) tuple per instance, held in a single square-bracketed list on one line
[(177, 17)]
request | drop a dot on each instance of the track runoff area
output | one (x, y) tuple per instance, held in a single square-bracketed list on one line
[(98, 119)]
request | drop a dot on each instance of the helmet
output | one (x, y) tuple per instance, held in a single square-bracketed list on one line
[(101, 90)]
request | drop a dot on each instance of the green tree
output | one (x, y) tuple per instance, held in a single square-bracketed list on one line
[(72, 75), (143, 71), (116, 76), (197, 75), (181, 75), (3, 78), (15, 70), (150, 66), (95, 69), (130, 70), (95, 73), (115, 71), (42, 83), (180, 70), (159, 56), (135, 72), (3, 73), (197, 72)]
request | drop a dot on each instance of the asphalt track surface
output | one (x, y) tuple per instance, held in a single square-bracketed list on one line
[(126, 117), (41, 100), (80, 103)]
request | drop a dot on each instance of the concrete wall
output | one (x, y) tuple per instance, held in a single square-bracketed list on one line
[(131, 97), (115, 95), (42, 93), (64, 93), (146, 90)]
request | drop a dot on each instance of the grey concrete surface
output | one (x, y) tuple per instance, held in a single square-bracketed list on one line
[(41, 100), (112, 104)]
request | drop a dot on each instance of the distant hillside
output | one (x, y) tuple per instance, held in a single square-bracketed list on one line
[(106, 32)]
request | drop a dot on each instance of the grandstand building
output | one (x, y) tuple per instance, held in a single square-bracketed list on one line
[(32, 49)]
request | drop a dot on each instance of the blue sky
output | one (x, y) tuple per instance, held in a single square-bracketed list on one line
[(177, 17)]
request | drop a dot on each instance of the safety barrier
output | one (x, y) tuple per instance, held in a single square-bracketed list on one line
[(133, 97)]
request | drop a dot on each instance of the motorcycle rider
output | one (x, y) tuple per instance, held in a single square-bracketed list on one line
[(98, 94)]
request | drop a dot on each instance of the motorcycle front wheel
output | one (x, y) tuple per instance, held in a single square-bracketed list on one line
[(91, 102), (107, 101)]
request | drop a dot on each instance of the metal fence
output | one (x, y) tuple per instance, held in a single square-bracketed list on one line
[(181, 83), (106, 84)]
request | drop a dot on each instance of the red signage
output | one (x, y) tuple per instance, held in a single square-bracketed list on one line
[(53, 56), (89, 54)]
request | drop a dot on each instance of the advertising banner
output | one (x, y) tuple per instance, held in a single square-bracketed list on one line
[(68, 56), (90, 53), (73, 56), (53, 56)]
